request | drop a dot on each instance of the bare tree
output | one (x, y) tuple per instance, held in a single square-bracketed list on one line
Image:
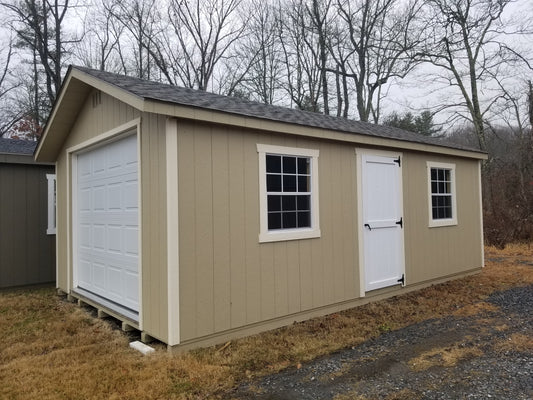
[(319, 26), (302, 78), (140, 18), (39, 27), (202, 32), (257, 56), (380, 44), (8, 115), (100, 46), (465, 42)]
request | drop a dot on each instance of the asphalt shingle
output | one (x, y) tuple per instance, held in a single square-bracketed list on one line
[(195, 98), (16, 146)]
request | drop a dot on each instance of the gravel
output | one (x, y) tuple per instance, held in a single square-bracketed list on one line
[(383, 368)]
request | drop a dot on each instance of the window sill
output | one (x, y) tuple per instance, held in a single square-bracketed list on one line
[(284, 235), (442, 222), (50, 231)]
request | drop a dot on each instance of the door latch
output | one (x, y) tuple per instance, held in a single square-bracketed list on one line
[(400, 222)]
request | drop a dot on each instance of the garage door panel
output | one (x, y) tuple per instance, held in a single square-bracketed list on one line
[(99, 236), (98, 271), (131, 238), (108, 222)]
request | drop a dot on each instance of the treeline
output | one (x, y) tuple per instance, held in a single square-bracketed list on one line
[(337, 57)]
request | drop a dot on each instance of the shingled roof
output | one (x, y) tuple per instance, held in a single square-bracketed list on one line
[(149, 90), (17, 147)]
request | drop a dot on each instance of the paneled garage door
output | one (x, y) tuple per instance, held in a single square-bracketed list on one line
[(107, 223)]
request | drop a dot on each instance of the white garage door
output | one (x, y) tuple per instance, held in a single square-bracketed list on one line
[(107, 223)]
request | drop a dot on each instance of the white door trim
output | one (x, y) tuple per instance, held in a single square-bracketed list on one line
[(359, 152), (132, 127)]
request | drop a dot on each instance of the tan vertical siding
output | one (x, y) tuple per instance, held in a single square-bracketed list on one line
[(221, 229), (154, 293), (23, 225), (227, 278), (436, 252)]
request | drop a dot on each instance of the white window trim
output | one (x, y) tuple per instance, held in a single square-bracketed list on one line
[(448, 221), (287, 234), (51, 229)]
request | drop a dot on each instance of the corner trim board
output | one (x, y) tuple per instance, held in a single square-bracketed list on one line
[(171, 147)]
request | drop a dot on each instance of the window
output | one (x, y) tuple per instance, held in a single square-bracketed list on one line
[(442, 207), (288, 179), (51, 178)]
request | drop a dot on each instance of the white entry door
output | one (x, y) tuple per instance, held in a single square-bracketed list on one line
[(382, 219), (107, 223)]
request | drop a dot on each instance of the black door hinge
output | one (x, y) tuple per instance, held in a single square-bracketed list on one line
[(400, 222), (402, 280), (398, 161)]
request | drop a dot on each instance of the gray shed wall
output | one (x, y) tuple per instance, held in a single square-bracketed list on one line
[(27, 253)]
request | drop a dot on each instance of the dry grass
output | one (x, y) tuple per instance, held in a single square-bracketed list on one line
[(51, 349), (517, 342), (446, 357)]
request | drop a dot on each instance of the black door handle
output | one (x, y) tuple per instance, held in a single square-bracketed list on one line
[(368, 226)]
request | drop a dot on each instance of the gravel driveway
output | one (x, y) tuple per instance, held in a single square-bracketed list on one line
[(483, 354)]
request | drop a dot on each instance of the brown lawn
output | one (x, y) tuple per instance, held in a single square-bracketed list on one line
[(51, 349)]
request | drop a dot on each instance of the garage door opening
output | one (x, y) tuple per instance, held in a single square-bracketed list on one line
[(106, 225)]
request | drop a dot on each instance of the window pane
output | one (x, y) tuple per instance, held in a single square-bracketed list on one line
[(273, 163), (304, 183), (289, 203), (304, 203), (289, 220), (303, 165), (304, 219), (289, 183), (441, 206), (274, 220), (440, 174), (273, 183), (433, 174), (441, 187), (446, 173), (274, 203), (289, 165)]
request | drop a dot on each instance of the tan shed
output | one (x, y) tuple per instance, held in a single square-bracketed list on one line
[(198, 218)]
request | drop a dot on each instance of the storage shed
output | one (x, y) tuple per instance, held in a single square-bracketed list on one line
[(27, 235), (198, 218)]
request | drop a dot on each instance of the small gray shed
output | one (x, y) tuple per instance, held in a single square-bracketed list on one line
[(27, 223)]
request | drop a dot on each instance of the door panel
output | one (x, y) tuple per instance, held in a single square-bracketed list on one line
[(382, 210)]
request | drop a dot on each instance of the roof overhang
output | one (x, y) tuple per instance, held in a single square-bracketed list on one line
[(236, 120), (74, 91)]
